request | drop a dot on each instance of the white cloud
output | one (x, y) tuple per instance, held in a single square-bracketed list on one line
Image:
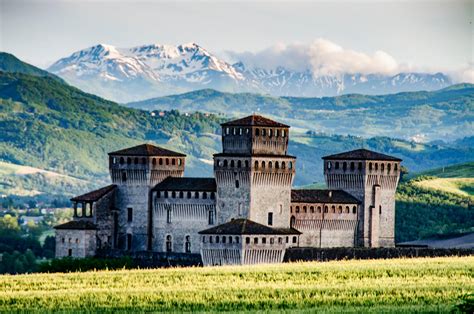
[(464, 74), (322, 57)]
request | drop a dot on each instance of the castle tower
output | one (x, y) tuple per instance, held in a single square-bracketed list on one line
[(136, 171), (254, 174), (372, 178)]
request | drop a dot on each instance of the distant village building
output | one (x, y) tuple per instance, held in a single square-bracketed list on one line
[(247, 213)]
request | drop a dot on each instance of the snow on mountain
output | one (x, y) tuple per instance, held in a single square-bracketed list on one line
[(137, 73)]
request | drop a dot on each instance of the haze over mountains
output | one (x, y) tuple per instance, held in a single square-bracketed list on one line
[(138, 73)]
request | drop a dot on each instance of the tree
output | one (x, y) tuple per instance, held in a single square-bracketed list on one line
[(8, 222)]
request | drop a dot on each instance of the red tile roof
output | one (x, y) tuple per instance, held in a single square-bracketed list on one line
[(255, 120), (94, 195), (147, 150), (362, 154)]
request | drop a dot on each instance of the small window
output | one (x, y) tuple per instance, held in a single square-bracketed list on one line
[(287, 240), (294, 239), (329, 165), (160, 161), (121, 160), (203, 239), (63, 240), (339, 209), (272, 240), (210, 239), (354, 209), (124, 176), (224, 239), (180, 162), (264, 240), (135, 161), (352, 166), (232, 163), (168, 215), (237, 184), (270, 219), (181, 194), (247, 240), (311, 208), (305, 209), (230, 239), (169, 244), (237, 240), (204, 195), (217, 239), (325, 209), (297, 209), (173, 162), (292, 221), (239, 164), (166, 194), (376, 166), (333, 209), (255, 240), (336, 165), (347, 210), (370, 166), (77, 240), (256, 164), (213, 196), (319, 209), (129, 214), (280, 240), (187, 244), (167, 161), (69, 252), (344, 166), (173, 194), (211, 217), (257, 132), (196, 194), (129, 161), (189, 194), (359, 167), (380, 209), (143, 161)]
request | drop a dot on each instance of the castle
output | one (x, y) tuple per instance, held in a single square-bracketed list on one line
[(247, 214)]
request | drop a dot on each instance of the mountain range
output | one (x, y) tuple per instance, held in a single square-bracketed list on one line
[(138, 73)]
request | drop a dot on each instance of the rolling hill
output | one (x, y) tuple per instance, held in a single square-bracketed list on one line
[(446, 114)]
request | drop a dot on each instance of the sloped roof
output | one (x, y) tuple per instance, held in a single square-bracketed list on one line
[(77, 225), (187, 184), (255, 120), (322, 196), (146, 150), (362, 154), (94, 195), (245, 226)]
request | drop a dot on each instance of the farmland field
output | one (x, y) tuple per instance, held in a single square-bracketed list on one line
[(396, 285)]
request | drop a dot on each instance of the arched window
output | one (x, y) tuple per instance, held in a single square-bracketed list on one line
[(297, 209), (339, 209), (181, 194), (347, 210), (213, 196), (382, 167), (292, 221), (264, 132), (129, 161), (344, 166), (158, 194), (240, 131), (263, 165), (270, 133), (173, 194), (333, 209), (189, 194), (160, 161), (257, 132), (277, 133), (144, 161), (239, 164), (204, 195), (305, 209), (187, 244), (256, 164), (121, 160), (234, 131), (376, 166), (270, 165), (135, 160), (180, 162), (232, 164), (370, 166), (329, 165), (237, 184), (354, 209), (204, 239), (230, 239), (283, 133), (247, 240), (225, 163), (246, 164), (283, 165), (290, 165), (236, 239), (217, 239), (277, 165), (264, 240), (325, 209), (166, 194), (168, 215), (395, 167), (167, 161), (336, 165), (196, 194), (169, 244), (311, 208), (319, 209), (173, 162), (352, 166), (227, 131), (224, 239), (210, 239), (247, 131), (359, 167), (389, 167)]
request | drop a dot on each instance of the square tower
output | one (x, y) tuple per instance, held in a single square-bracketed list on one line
[(254, 174), (372, 178)]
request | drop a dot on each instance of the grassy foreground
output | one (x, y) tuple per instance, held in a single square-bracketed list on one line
[(396, 285)]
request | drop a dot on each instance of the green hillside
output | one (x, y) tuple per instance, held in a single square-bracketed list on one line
[(446, 114), (10, 63), (465, 170)]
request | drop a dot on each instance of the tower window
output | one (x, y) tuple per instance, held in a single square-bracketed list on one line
[(270, 219), (382, 167), (236, 239), (305, 209), (257, 132), (135, 161), (217, 239), (169, 244), (224, 239), (124, 176), (204, 195), (203, 239), (347, 210), (144, 161), (121, 160), (237, 184), (352, 166), (167, 161), (270, 166), (129, 214), (339, 209), (173, 194), (211, 217), (395, 167), (187, 245), (336, 165), (354, 209), (160, 162), (376, 166), (277, 165), (173, 162), (344, 166), (389, 167), (290, 165), (232, 164), (189, 194), (166, 194), (196, 194), (311, 208), (227, 131), (263, 165), (129, 161), (329, 165), (264, 240), (294, 239), (360, 166), (168, 215), (292, 223), (270, 133), (69, 252), (264, 132), (283, 166), (297, 209), (230, 239), (325, 209), (319, 209), (239, 164), (380, 209), (213, 195), (247, 240), (180, 162), (181, 194), (255, 240), (246, 164), (277, 133), (256, 164), (283, 133)]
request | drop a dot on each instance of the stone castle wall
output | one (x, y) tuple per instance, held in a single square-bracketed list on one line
[(75, 243)]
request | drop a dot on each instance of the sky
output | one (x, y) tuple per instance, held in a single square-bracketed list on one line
[(326, 35)]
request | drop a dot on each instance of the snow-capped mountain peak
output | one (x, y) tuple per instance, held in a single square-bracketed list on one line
[(128, 74)]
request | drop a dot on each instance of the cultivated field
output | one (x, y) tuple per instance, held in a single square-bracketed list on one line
[(459, 186), (396, 285)]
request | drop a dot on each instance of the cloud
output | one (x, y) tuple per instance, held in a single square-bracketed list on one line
[(322, 57), (464, 74)]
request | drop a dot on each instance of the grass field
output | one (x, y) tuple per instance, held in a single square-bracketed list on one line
[(396, 285), (460, 186)]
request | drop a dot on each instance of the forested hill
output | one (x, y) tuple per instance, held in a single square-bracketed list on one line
[(446, 114), (47, 124)]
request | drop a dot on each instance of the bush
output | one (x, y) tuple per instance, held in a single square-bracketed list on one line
[(69, 264)]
